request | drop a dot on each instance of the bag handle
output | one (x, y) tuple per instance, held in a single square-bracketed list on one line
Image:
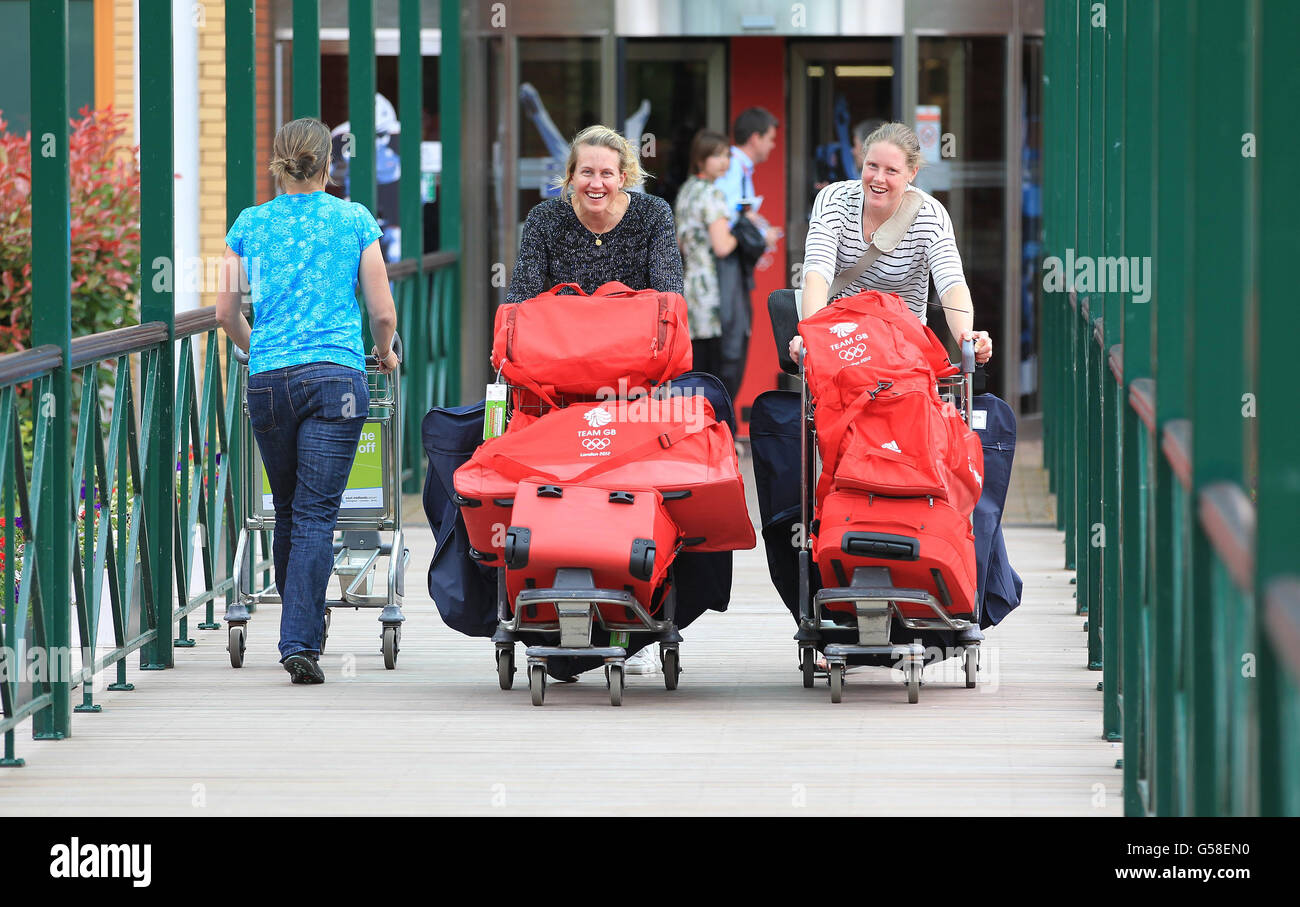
[(554, 291), (885, 239), (615, 288)]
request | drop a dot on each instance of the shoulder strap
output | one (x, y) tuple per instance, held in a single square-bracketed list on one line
[(886, 239)]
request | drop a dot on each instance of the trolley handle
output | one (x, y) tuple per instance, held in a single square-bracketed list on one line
[(396, 348), (967, 356)]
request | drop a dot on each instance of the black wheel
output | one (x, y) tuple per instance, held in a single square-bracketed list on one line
[(391, 636), (671, 659), (325, 634), (972, 666), (914, 683), (808, 662), (236, 640), (506, 668), (615, 684), (537, 683), (837, 683)]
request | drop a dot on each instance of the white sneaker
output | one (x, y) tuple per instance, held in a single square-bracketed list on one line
[(644, 662)]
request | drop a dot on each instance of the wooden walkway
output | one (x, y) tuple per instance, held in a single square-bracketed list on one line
[(740, 736)]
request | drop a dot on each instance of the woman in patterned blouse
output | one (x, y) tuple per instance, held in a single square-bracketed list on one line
[(703, 231)]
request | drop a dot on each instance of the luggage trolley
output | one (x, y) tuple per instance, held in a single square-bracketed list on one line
[(578, 606), (371, 507), (871, 592)]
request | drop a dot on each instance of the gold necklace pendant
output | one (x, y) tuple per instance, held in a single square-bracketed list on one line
[(597, 240)]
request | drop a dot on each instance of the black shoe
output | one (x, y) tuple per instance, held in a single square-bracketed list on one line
[(303, 668)]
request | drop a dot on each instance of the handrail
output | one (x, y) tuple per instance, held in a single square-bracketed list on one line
[(1229, 521), (1116, 360), (197, 321), (1282, 617), (16, 368), (1177, 445), (1142, 397), (117, 342), (428, 262)]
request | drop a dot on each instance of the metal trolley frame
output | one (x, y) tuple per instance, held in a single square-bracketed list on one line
[(359, 544), (871, 590), (575, 598)]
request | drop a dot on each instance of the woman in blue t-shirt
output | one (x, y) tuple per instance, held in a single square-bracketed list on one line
[(302, 254)]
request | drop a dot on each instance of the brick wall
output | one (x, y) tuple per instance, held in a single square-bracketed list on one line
[(123, 96), (212, 138)]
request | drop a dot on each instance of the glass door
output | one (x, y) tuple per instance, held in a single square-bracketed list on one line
[(961, 121), (835, 86), (671, 90)]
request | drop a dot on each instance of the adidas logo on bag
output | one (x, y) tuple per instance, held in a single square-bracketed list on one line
[(892, 445)]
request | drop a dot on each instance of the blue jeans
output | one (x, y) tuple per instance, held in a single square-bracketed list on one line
[(307, 420)]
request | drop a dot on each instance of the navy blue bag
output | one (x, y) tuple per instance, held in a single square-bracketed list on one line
[(774, 426), (703, 578), (464, 590), (998, 586)]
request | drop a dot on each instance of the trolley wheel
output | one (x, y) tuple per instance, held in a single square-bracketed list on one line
[(914, 683), (615, 679), (506, 668), (537, 683), (808, 661), (235, 643), (325, 635), (672, 660), (972, 666), (837, 682), (391, 634)]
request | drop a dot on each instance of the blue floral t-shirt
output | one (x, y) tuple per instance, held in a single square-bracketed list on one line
[(301, 252)]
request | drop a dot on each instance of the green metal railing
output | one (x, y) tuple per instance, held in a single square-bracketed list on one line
[(125, 490), (1167, 431)]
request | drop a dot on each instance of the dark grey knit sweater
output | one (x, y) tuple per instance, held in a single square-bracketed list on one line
[(641, 251)]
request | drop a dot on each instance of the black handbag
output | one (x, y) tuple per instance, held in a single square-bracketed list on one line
[(750, 244)]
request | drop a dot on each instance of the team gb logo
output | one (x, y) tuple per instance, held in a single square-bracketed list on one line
[(843, 329), (598, 418)]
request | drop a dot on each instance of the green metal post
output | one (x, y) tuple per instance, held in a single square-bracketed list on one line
[(449, 220), (157, 179), (1116, 298), (306, 58), (1173, 234), (1279, 432), (1217, 317), (241, 108), (361, 101), (52, 324), (414, 305), (1140, 106)]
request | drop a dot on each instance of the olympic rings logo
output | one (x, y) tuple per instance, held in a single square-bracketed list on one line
[(853, 352), (595, 443)]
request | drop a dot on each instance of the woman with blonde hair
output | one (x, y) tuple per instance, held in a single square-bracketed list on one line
[(596, 231), (307, 392), (845, 218)]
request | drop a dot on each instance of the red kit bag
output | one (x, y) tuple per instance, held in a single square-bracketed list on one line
[(623, 535), (925, 543), (910, 444), (613, 341), (875, 329), (673, 445)]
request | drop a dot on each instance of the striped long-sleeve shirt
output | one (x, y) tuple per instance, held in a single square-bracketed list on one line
[(835, 243)]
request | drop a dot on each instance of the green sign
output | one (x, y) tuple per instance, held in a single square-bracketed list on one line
[(365, 486)]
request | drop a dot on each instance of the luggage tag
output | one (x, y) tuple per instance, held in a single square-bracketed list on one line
[(494, 415), (979, 419)]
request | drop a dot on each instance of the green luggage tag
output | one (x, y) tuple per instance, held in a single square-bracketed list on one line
[(494, 416)]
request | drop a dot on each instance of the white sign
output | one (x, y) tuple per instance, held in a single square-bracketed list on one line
[(928, 131)]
